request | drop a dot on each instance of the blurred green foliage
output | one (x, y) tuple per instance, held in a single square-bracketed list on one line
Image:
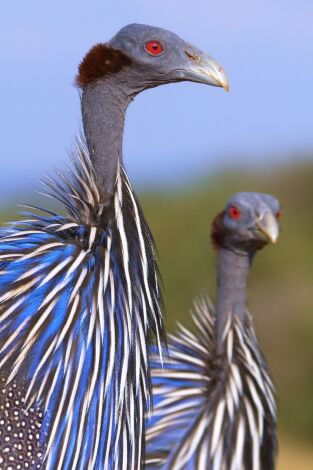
[(281, 282)]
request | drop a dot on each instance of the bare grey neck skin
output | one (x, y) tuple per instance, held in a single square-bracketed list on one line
[(104, 104), (232, 272)]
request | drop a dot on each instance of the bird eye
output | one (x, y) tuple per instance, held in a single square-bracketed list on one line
[(234, 212), (154, 48), (278, 215)]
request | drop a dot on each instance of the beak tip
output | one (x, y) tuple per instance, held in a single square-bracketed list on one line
[(221, 79), (273, 235)]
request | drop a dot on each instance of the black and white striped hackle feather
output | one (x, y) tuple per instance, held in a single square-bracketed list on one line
[(212, 412), (79, 298), (214, 401)]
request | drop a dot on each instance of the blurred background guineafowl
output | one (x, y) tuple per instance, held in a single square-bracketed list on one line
[(214, 404), (79, 293)]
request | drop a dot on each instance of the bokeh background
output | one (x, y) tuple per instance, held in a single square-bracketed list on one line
[(187, 148)]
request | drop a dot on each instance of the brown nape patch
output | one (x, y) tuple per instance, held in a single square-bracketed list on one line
[(217, 233), (100, 61)]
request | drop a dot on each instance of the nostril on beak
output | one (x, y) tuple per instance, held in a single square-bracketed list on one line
[(191, 55)]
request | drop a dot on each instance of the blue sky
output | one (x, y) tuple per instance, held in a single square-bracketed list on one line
[(172, 132)]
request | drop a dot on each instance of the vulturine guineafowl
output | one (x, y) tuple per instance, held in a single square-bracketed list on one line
[(79, 294), (214, 404)]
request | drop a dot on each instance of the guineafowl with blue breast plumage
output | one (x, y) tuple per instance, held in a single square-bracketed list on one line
[(79, 293)]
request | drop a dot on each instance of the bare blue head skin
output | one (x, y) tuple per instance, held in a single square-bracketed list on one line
[(179, 61), (248, 223), (105, 98), (256, 224)]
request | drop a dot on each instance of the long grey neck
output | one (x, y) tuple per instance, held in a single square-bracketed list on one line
[(232, 273), (104, 105)]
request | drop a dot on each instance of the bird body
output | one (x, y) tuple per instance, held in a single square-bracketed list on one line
[(214, 404), (79, 293)]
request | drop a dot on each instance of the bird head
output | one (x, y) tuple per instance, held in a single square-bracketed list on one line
[(249, 222), (147, 56)]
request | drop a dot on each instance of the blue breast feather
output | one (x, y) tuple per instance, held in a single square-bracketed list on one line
[(79, 298)]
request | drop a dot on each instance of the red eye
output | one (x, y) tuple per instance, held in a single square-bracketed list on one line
[(234, 212), (277, 215), (154, 48)]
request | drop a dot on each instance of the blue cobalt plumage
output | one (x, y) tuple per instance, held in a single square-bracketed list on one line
[(78, 298)]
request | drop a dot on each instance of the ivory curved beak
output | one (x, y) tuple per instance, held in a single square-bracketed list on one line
[(269, 227), (204, 69)]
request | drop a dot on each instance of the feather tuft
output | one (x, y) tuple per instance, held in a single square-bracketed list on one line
[(79, 300), (212, 411), (217, 233), (100, 61)]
